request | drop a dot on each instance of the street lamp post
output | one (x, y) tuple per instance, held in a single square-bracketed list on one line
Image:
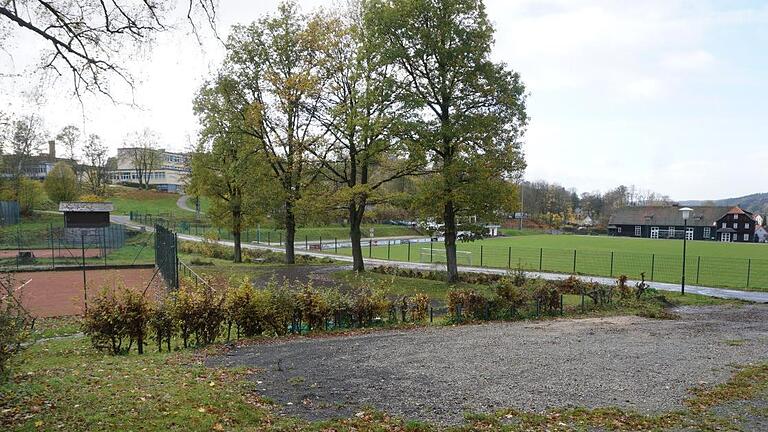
[(686, 213)]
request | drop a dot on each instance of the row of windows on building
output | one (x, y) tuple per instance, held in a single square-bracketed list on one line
[(177, 159), (670, 233), (127, 176)]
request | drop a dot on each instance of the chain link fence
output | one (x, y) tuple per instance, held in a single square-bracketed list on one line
[(54, 247)]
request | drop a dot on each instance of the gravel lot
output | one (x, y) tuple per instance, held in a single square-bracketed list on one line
[(436, 374)]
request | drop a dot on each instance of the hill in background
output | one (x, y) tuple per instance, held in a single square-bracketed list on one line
[(755, 202)]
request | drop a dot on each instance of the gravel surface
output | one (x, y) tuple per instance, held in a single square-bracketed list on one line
[(436, 374)]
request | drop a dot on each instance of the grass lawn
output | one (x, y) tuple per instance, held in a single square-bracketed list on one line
[(735, 265), (128, 200)]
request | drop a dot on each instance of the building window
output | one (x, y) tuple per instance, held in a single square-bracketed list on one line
[(723, 224), (706, 232), (689, 234), (746, 237), (655, 232), (735, 217), (735, 225), (638, 231), (618, 229), (746, 225), (671, 232)]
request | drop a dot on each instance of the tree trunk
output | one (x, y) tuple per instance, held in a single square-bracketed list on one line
[(355, 235), (449, 219), (290, 233), (236, 231)]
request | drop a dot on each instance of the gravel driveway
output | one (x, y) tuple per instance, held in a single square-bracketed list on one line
[(436, 374)]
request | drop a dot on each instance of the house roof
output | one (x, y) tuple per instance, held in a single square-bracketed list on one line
[(86, 207), (667, 215)]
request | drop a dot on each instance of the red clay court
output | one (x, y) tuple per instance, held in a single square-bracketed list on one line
[(60, 293), (47, 253)]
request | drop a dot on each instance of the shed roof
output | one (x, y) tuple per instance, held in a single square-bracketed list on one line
[(667, 215), (86, 207)]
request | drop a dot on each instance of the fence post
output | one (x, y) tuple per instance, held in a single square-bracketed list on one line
[(370, 248), (280, 238), (481, 255), (430, 250), (85, 286), (321, 243), (509, 257), (698, 266), (335, 245), (561, 305), (749, 269), (269, 238), (53, 247), (389, 242), (104, 240), (611, 274), (653, 264), (409, 252), (574, 261), (306, 241), (541, 258)]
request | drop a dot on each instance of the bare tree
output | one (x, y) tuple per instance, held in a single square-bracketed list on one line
[(96, 170), (89, 38), (69, 136), (143, 155), (27, 136)]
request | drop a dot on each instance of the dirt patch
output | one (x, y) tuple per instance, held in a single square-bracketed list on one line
[(436, 374), (60, 293)]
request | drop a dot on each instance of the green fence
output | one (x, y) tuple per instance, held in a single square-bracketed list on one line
[(742, 273), (54, 247), (166, 256)]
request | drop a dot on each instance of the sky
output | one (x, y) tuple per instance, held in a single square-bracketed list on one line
[(667, 95)]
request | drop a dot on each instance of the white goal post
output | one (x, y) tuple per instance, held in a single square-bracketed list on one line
[(437, 255)]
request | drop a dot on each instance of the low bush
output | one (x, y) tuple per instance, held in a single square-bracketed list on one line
[(199, 310), (468, 304), (419, 305), (117, 316)]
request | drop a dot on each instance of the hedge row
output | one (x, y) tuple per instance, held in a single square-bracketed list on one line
[(200, 313)]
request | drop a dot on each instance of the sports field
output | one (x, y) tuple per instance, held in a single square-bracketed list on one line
[(736, 265)]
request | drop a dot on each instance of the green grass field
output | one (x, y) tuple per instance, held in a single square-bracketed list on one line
[(735, 265)]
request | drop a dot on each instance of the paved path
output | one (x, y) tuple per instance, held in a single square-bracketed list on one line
[(753, 296), (182, 203)]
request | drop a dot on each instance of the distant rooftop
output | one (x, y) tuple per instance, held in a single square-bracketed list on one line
[(83, 207)]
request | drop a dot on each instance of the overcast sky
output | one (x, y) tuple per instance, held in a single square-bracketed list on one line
[(668, 95)]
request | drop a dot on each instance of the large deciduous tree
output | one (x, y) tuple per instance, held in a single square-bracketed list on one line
[(278, 64), (143, 155), (225, 166), (366, 146), (69, 137), (96, 171), (472, 110), (27, 136)]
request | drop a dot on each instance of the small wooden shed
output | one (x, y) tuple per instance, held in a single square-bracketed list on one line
[(85, 221)]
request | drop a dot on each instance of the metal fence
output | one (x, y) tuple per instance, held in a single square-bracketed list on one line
[(9, 213), (731, 272), (166, 256), (53, 247)]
